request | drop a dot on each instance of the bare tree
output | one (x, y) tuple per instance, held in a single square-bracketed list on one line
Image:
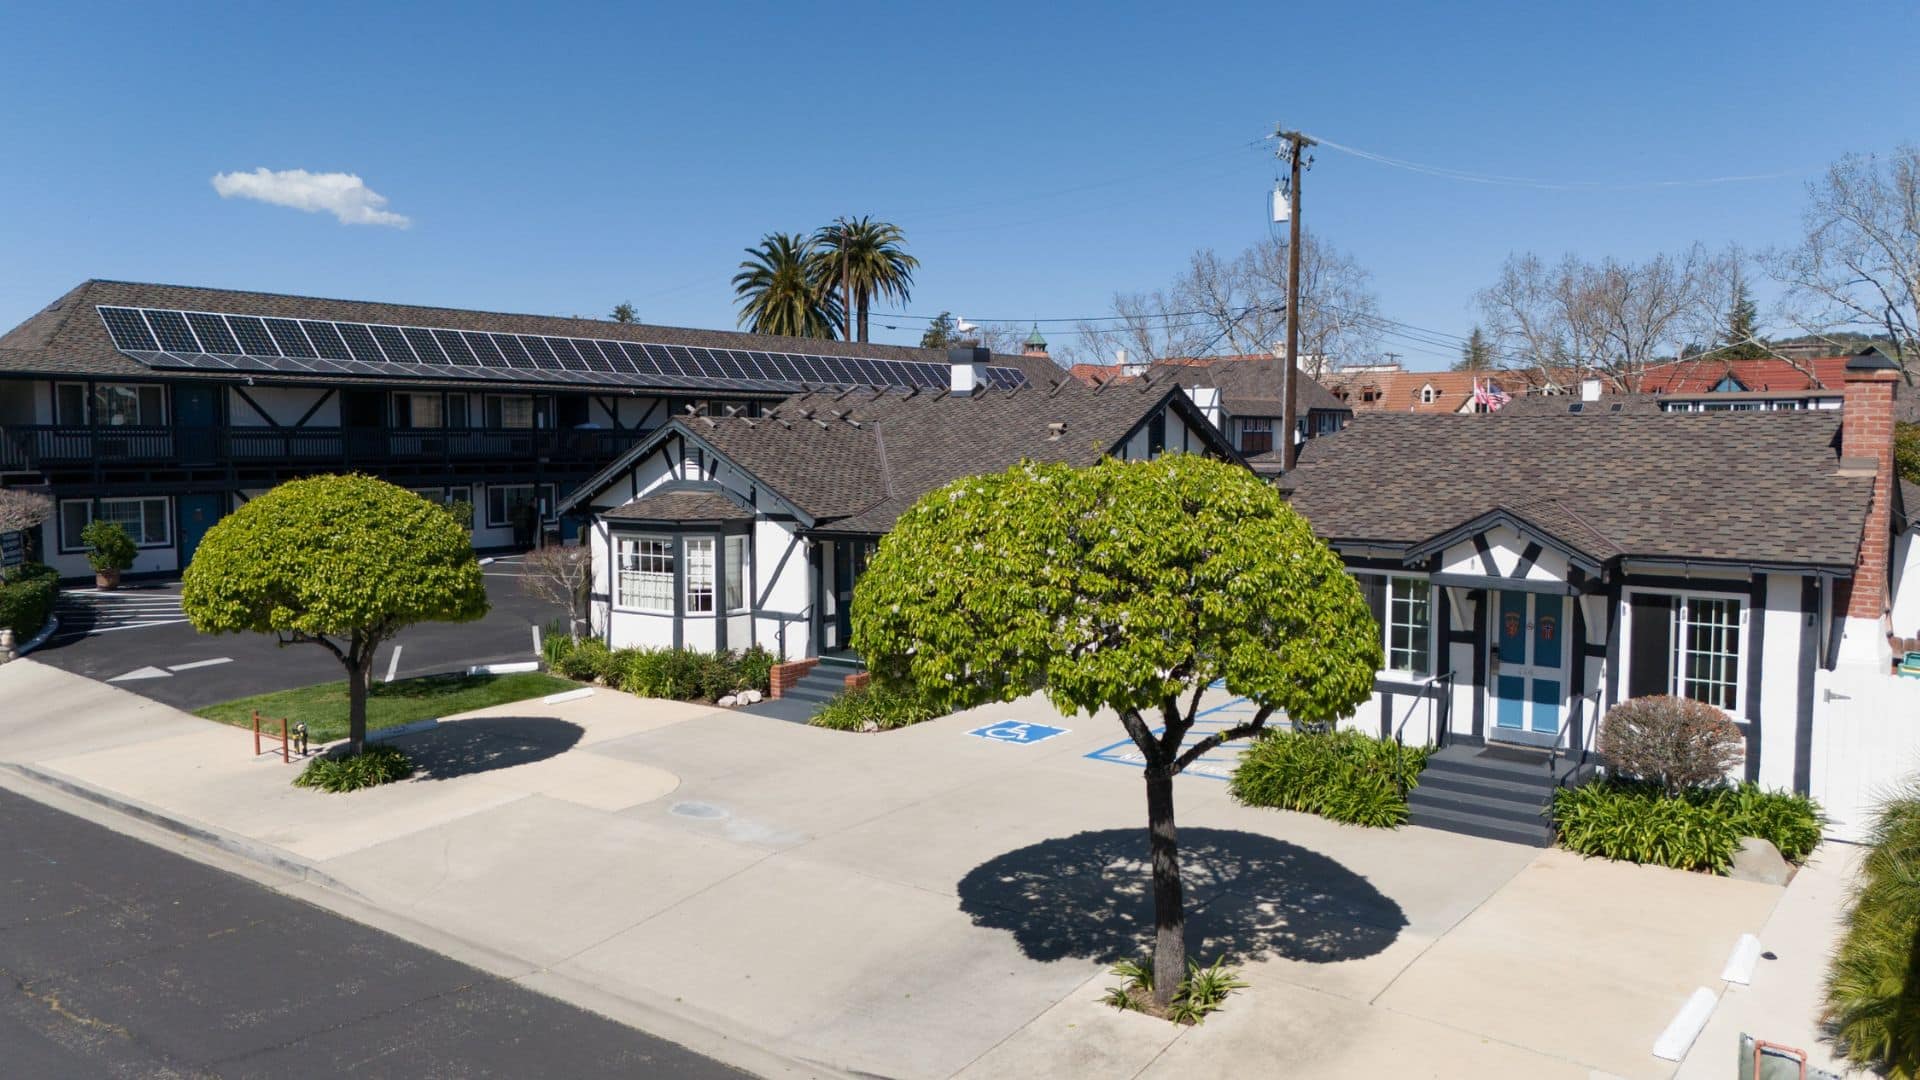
[(23, 510), (1237, 306), (1606, 319), (1858, 267), (563, 576)]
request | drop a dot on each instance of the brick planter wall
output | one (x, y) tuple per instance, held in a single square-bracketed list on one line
[(785, 675), (859, 680)]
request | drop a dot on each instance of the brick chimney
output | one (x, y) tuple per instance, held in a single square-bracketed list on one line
[(1866, 446)]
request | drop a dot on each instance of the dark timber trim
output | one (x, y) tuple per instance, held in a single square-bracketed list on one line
[(1756, 651), (1577, 715), (311, 409), (255, 406), (1809, 662), (1480, 617), (1386, 715), (1491, 568), (1527, 558)]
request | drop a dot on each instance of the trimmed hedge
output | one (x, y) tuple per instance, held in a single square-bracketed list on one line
[(679, 674), (1700, 829), (886, 708), (1343, 775), (372, 767), (27, 597)]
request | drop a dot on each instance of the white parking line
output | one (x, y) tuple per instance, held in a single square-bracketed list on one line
[(200, 663), (536, 639), (393, 662)]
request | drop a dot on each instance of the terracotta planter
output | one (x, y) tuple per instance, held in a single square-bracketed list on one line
[(106, 579)]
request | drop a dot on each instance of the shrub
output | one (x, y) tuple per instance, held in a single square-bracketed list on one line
[(371, 767), (755, 669), (555, 642), (1873, 983), (885, 707), (1675, 742), (588, 661), (1637, 822), (109, 546), (1787, 821), (26, 599), (1344, 775), (1203, 991)]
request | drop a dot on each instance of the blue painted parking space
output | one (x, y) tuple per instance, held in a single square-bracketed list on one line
[(1217, 764), (1013, 731)]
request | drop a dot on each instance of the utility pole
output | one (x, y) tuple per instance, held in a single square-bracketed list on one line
[(1294, 144)]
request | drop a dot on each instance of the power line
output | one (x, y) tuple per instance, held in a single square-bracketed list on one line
[(1496, 179)]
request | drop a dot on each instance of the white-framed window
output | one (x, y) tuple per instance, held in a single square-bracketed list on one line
[(509, 411), (1688, 645), (148, 520), (417, 410), (1403, 606), (643, 567), (699, 575), (1428, 395), (736, 573), (1256, 434), (505, 500), (111, 404)]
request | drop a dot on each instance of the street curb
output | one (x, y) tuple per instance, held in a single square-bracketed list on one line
[(233, 845), (39, 639)]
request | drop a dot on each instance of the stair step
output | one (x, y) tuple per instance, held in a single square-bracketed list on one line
[(1483, 787), (1525, 815), (1491, 769), (1475, 825)]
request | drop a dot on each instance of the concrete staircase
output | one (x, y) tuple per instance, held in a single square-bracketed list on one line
[(801, 700), (1497, 792)]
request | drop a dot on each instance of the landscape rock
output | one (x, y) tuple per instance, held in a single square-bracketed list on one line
[(728, 702), (751, 697), (870, 726), (1758, 860)]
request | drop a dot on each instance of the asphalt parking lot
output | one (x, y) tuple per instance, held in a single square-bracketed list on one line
[(137, 639)]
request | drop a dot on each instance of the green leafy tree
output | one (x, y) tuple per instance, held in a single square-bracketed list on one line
[(624, 313), (864, 259), (1128, 586), (1476, 354), (1906, 454), (341, 562), (941, 333), (781, 292)]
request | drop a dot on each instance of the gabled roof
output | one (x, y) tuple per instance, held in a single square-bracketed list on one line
[(68, 338), (1250, 386), (684, 504), (853, 462), (1551, 520), (1757, 487)]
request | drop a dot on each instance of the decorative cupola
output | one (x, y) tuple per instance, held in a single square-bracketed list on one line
[(1036, 345)]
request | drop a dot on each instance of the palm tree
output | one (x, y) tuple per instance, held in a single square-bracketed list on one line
[(864, 259), (779, 291)]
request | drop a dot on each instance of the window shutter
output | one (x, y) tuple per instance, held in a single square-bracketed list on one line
[(1650, 654), (1374, 587)]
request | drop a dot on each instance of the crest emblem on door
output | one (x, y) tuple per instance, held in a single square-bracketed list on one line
[(1545, 624), (1512, 626)]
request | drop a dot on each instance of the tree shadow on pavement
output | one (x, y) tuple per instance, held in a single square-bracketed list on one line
[(465, 747), (1247, 896)]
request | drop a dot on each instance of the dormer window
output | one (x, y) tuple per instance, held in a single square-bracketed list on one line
[(1428, 395), (1728, 385)]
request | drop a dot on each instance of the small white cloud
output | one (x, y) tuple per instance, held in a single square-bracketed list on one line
[(343, 195)]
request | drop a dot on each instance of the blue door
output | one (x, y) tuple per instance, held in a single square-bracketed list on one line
[(1529, 682), (196, 419), (197, 515)]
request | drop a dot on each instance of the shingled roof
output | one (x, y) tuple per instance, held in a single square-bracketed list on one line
[(1250, 386), (855, 461), (68, 338), (1746, 487), (682, 505)]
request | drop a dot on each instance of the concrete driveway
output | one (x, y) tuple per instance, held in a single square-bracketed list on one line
[(929, 903), (136, 638)]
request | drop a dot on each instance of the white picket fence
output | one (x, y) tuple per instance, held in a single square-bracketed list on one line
[(1866, 744)]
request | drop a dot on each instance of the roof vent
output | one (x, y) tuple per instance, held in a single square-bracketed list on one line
[(1056, 430)]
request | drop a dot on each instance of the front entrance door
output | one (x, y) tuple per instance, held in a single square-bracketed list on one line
[(1529, 675), (195, 419), (849, 562), (197, 515)]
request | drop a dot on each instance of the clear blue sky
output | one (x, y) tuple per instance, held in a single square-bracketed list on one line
[(560, 159)]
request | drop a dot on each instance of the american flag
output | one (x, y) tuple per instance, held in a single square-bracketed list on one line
[(1488, 397)]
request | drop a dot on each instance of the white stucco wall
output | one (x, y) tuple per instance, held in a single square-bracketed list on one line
[(1506, 545), (285, 405), (1906, 583), (1780, 688)]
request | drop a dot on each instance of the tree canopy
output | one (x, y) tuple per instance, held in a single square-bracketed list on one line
[(866, 260), (781, 290), (342, 562), (1124, 585)]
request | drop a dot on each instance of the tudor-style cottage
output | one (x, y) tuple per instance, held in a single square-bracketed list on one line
[(1530, 571), (717, 532), (163, 407)]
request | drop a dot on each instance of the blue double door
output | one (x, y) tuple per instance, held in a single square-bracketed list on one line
[(1530, 678)]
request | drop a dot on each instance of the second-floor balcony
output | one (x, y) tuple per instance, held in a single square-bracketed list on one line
[(42, 447)]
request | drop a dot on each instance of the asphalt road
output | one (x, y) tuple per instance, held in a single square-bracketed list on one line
[(137, 639), (118, 959)]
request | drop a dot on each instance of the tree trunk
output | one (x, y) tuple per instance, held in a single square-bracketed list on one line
[(864, 303), (1169, 909), (357, 670)]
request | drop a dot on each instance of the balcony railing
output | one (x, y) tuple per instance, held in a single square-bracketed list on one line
[(37, 447)]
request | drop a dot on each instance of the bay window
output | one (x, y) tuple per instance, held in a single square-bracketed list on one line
[(700, 576), (643, 566)]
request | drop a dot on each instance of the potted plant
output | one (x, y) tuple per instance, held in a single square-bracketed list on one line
[(110, 551)]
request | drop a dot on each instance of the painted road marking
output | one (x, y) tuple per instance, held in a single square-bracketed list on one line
[(393, 662), (1013, 731), (142, 673), (86, 612), (200, 663), (536, 639), (1217, 764)]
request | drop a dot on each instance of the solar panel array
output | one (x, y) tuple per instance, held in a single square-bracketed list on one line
[(208, 341)]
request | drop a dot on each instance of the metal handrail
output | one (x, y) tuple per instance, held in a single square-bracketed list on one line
[(1586, 738), (1427, 697)]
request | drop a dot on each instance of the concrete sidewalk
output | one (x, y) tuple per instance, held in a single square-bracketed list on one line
[(925, 903)]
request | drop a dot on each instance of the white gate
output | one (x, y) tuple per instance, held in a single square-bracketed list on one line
[(1866, 744)]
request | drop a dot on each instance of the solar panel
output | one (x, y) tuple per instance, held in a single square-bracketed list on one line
[(233, 342), (291, 339), (128, 330)]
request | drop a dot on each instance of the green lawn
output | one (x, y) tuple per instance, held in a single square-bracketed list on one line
[(324, 707)]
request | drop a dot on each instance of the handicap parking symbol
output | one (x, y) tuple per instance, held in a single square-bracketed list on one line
[(1012, 731)]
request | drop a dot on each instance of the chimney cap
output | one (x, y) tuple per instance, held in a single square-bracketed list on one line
[(969, 354), (1871, 359)]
